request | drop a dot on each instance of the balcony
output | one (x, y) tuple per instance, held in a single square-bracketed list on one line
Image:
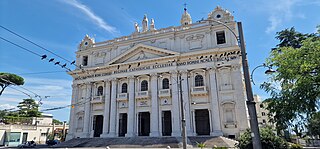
[(97, 99), (122, 96), (164, 93), (199, 91), (142, 94)]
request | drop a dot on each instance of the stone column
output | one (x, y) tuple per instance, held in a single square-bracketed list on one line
[(242, 117), (154, 106), (72, 126), (186, 100), (131, 108), (87, 111), (106, 112), (214, 100), (113, 108), (176, 127)]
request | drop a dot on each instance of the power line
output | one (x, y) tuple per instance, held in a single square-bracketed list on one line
[(20, 86), (33, 73), (21, 91), (21, 47), (34, 43), (42, 56)]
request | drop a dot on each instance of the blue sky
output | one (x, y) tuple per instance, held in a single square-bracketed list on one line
[(60, 25)]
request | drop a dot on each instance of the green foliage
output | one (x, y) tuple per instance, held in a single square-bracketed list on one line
[(295, 88), (57, 122), (201, 145), (291, 38), (269, 140), (314, 124), (29, 108), (296, 146), (17, 120), (50, 137), (7, 79)]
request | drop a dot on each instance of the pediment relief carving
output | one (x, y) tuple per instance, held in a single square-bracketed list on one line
[(141, 52), (195, 37)]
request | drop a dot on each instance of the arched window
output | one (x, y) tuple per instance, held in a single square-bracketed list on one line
[(124, 88), (100, 91), (144, 85), (165, 83), (263, 114), (198, 80)]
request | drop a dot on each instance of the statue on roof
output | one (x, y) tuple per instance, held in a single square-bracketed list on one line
[(136, 27), (145, 24), (152, 26)]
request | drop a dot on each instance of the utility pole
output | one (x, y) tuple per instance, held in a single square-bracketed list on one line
[(183, 120), (256, 142)]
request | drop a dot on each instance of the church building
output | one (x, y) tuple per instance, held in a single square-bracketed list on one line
[(138, 85)]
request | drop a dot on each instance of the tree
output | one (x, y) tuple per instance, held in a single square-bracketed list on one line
[(295, 87), (268, 140), (7, 79), (314, 124), (29, 108), (57, 122)]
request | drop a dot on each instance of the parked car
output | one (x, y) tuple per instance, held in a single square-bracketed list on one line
[(52, 142), (29, 144)]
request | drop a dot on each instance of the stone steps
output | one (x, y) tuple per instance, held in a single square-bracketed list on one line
[(146, 142)]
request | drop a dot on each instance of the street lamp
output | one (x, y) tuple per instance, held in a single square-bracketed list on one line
[(183, 119), (256, 142), (269, 71)]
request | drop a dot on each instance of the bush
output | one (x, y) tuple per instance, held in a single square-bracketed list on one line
[(269, 140), (296, 146), (201, 145)]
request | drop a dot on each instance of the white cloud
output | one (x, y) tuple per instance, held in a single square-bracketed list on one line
[(92, 16), (279, 11), (6, 106)]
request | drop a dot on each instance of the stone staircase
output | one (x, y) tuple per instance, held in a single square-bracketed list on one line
[(146, 142), (210, 141), (132, 142)]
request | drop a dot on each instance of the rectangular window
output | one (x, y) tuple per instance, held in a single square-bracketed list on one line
[(43, 134), (221, 38), (85, 60)]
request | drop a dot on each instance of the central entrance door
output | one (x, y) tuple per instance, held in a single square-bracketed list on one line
[(202, 122), (144, 123), (97, 125), (122, 124), (166, 123)]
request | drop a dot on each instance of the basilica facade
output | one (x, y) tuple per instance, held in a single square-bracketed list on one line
[(136, 85)]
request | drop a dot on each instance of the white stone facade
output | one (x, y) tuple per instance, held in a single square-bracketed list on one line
[(129, 86)]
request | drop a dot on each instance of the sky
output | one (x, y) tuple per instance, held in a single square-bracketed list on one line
[(60, 25)]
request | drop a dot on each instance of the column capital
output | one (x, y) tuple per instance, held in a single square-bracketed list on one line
[(154, 74), (184, 71), (211, 69), (174, 72), (131, 77), (74, 85), (106, 81), (236, 67), (113, 80)]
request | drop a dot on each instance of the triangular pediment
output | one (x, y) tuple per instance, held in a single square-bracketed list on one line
[(141, 52)]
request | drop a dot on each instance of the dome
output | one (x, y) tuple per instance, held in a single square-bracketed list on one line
[(186, 18)]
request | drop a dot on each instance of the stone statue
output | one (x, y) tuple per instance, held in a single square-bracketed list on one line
[(136, 27), (145, 23), (152, 27)]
